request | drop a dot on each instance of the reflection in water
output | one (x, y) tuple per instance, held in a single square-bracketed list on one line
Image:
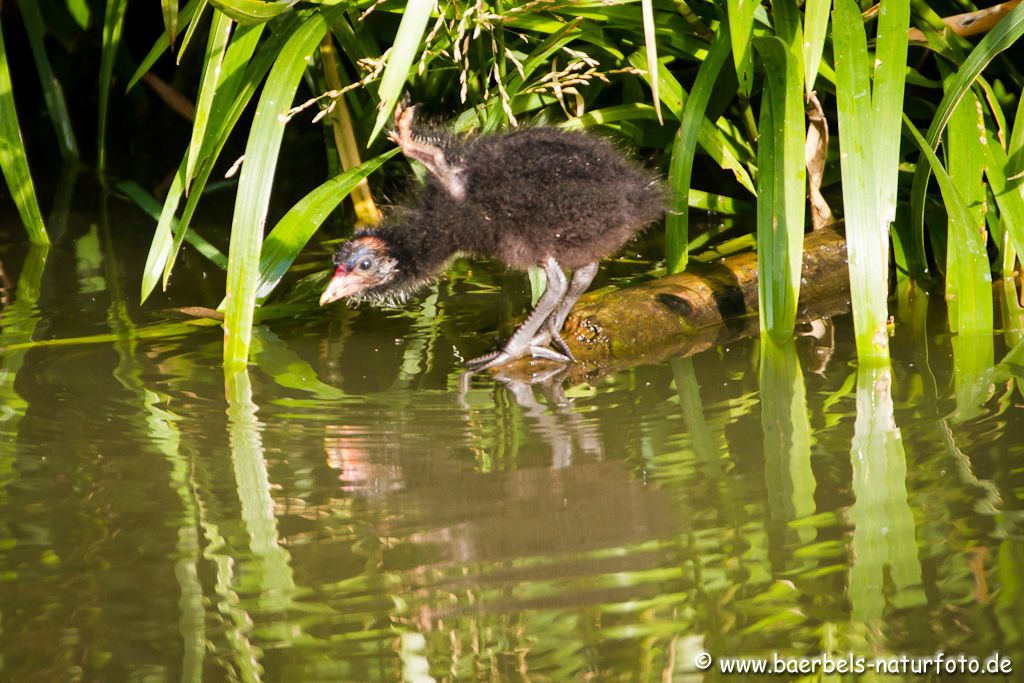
[(557, 423), (344, 513), (787, 443), (884, 535), (274, 577)]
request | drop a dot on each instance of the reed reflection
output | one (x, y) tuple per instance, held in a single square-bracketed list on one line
[(268, 572), (789, 480), (884, 540)]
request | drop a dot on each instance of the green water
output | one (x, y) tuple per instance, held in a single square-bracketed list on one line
[(342, 512)]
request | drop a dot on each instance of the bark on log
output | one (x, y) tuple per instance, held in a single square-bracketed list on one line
[(682, 314)]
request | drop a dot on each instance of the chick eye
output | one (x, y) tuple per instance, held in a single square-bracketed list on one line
[(365, 264)]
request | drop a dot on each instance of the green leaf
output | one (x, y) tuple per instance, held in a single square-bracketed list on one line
[(887, 100), (53, 93), (400, 61), (170, 12), (13, 161), (782, 179), (684, 149), (216, 46), (291, 233), (954, 201), (239, 79), (113, 22), (741, 28), (191, 14), (1001, 37), (1015, 148), (193, 20), (80, 12), (145, 201), (815, 30), (257, 177), (866, 228), (634, 111), (651, 51), (253, 11), (722, 148), (968, 274), (1007, 189)]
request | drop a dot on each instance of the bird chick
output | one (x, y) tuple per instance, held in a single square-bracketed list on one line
[(541, 196)]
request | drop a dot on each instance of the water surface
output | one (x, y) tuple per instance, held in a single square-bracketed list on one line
[(343, 512)]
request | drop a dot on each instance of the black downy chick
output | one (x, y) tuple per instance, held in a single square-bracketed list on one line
[(534, 197)]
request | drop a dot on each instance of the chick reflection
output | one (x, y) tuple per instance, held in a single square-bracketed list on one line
[(557, 422), (535, 539), (514, 538), (362, 466)]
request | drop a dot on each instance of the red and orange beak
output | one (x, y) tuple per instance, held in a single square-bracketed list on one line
[(344, 283)]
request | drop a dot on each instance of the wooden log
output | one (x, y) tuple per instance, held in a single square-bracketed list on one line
[(682, 314)]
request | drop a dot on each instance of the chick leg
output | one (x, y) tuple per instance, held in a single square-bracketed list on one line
[(581, 279), (521, 342), (429, 155)]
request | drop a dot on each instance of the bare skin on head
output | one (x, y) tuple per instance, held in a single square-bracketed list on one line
[(535, 197), (360, 265)]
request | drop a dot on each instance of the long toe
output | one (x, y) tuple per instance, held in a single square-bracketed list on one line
[(542, 338), (489, 360), (556, 339), (549, 354), (496, 358)]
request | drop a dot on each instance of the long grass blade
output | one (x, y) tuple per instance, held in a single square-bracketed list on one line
[(170, 12), (960, 217), (1015, 148), (403, 55), (741, 28), (1009, 194), (193, 19), (782, 179), (866, 232), (216, 46), (606, 116), (53, 92), (651, 51), (815, 32), (684, 149), (293, 231), (241, 76), (163, 237), (145, 201), (720, 147), (239, 80), (1005, 34), (968, 275), (191, 14), (887, 103), (13, 161), (113, 23), (254, 187), (252, 11)]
